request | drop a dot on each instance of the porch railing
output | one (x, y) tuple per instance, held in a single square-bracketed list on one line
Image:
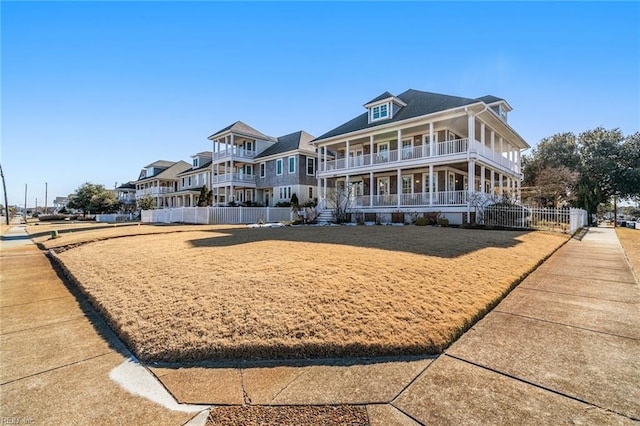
[(233, 177), (438, 198), (234, 152)]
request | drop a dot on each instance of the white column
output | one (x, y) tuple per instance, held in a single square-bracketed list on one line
[(493, 182), (482, 180), (346, 154), (399, 149), (471, 129), (431, 184), (482, 138), (431, 143), (371, 188), (371, 153), (325, 159), (325, 188), (399, 187), (318, 174), (501, 149), (493, 147), (500, 187)]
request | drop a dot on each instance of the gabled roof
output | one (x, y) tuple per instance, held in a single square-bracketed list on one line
[(489, 99), (385, 95), (170, 172), (204, 165), (242, 128), (290, 142), (417, 103), (128, 185), (203, 154), (160, 164)]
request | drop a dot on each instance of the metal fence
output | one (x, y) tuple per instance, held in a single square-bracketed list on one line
[(112, 218), (217, 215), (522, 217)]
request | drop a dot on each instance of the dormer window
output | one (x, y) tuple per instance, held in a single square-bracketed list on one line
[(195, 162), (379, 112)]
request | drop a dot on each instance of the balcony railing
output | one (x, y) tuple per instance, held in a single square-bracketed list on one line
[(234, 177), (154, 190), (234, 152), (457, 146), (453, 147), (438, 198)]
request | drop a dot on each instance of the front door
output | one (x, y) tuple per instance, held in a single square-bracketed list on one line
[(356, 157)]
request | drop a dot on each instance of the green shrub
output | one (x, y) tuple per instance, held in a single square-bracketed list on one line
[(422, 221), (443, 221)]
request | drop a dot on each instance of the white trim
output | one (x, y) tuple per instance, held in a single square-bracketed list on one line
[(263, 169), (313, 160)]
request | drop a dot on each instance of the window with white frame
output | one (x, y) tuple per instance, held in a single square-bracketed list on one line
[(189, 181), (263, 169), (279, 167), (379, 112), (197, 180), (407, 146), (407, 187), (311, 166), (248, 169), (195, 162), (292, 165)]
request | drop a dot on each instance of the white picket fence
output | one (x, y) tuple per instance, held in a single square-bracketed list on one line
[(516, 216), (217, 215)]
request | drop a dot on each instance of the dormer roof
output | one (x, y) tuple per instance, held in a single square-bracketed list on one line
[(240, 128)]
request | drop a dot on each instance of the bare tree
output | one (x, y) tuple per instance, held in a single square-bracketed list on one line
[(555, 186)]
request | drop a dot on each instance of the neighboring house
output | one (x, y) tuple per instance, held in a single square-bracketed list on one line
[(160, 181), (250, 167), (191, 181), (421, 152), (287, 168), (59, 203), (126, 194)]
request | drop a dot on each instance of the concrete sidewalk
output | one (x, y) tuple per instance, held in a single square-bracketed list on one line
[(563, 347)]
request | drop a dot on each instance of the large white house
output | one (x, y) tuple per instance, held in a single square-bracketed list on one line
[(421, 152)]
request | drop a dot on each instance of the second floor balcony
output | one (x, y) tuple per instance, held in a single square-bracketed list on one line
[(234, 152)]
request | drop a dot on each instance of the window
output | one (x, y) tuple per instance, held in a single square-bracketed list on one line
[(279, 167), (292, 164), (263, 169), (383, 152), (197, 179), (189, 180), (406, 185), (379, 112), (288, 192), (281, 197), (195, 162), (311, 192), (311, 166), (248, 146), (248, 169), (407, 146)]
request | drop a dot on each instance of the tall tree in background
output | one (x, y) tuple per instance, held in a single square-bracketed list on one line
[(587, 170), (93, 198)]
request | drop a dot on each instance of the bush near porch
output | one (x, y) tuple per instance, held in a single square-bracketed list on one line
[(304, 292)]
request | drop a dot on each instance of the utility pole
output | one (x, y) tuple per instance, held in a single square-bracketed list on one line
[(6, 203), (25, 203), (45, 197)]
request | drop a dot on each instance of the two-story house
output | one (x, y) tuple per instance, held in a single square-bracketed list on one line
[(126, 194), (251, 167), (421, 152), (190, 182), (288, 167), (160, 181)]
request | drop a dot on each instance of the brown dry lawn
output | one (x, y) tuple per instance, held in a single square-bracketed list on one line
[(301, 292), (630, 239)]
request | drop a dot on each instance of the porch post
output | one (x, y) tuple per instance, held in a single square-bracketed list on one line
[(431, 184), (371, 187), (500, 184), (346, 155), (431, 142), (493, 183), (399, 148), (482, 139), (471, 130), (325, 190), (471, 185), (318, 174), (324, 168), (371, 148), (493, 148), (482, 179), (501, 149), (399, 187)]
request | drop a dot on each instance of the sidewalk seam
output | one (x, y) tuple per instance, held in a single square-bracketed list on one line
[(576, 295), (510, 376), (44, 325), (566, 325), (56, 368)]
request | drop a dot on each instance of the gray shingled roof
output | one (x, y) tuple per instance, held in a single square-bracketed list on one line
[(204, 165), (240, 127), (489, 99), (160, 164), (128, 185), (171, 172), (290, 142), (418, 103), (385, 95)]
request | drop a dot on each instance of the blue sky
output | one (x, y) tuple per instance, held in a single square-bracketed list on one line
[(94, 91)]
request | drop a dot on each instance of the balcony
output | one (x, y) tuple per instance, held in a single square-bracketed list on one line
[(234, 152), (155, 190), (438, 198), (240, 179), (421, 152)]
